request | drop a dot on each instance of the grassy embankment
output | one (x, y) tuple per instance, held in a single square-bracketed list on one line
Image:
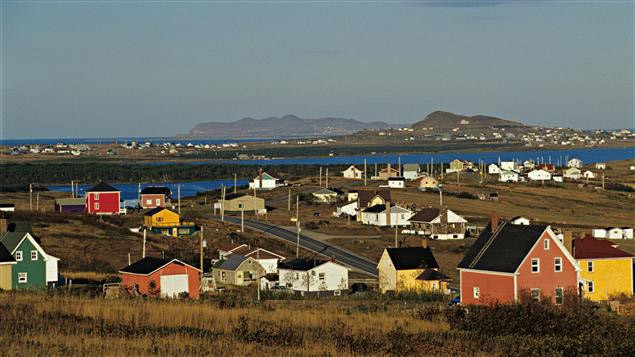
[(32, 324)]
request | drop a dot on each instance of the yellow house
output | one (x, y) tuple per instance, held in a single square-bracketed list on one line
[(160, 216), (410, 269), (606, 271), (6, 265)]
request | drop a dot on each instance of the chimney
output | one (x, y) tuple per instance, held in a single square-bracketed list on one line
[(424, 242), (494, 221), (568, 240), (388, 170), (388, 213), (3, 225)]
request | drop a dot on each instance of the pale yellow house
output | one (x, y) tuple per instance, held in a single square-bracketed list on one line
[(6, 265), (236, 202), (606, 271), (237, 270), (410, 269)]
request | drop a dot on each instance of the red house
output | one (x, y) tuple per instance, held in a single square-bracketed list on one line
[(102, 199), (154, 196), (509, 259), (161, 277)]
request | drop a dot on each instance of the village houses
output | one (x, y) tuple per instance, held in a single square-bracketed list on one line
[(438, 223), (313, 275), (353, 172)]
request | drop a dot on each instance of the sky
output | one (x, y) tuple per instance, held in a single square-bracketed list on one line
[(115, 69)]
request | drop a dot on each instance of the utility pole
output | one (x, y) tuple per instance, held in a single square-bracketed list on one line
[(178, 189), (202, 244), (289, 201), (297, 224), (442, 170), (440, 197), (72, 189), (602, 181), (399, 164), (255, 202), (31, 196), (375, 168), (235, 180), (222, 204), (37, 201), (143, 254), (365, 172), (139, 194), (242, 220), (396, 235), (327, 178), (129, 261), (320, 176)]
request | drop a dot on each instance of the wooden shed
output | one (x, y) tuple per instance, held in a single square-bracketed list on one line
[(161, 277)]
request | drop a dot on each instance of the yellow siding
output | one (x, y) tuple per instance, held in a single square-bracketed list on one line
[(5, 276), (163, 218), (609, 276), (386, 274)]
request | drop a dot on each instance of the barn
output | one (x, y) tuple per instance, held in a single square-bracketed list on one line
[(161, 277)]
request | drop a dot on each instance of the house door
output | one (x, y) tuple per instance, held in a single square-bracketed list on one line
[(173, 285)]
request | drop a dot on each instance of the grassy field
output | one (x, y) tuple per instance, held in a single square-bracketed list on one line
[(58, 324)]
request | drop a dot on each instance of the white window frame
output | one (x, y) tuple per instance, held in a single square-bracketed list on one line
[(590, 266), (158, 202), (18, 256), (590, 286), (96, 196), (34, 255), (537, 265), (477, 292), (546, 244), (557, 264), (23, 277), (96, 205), (537, 297), (149, 201), (555, 296), (322, 276)]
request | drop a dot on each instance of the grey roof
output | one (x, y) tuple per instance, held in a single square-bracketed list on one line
[(11, 240), (232, 262), (324, 191), (411, 167), (425, 215), (71, 201), (504, 249)]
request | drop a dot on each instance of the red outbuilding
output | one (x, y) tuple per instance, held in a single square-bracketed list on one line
[(509, 259), (155, 196), (102, 199), (161, 277)]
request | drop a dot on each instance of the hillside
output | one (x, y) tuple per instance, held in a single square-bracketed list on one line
[(440, 119), (288, 125)]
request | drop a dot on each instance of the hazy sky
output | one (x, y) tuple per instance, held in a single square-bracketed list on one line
[(102, 69)]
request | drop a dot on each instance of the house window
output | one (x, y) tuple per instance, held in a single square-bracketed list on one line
[(96, 196), (23, 277), (158, 201), (559, 296), (477, 292), (159, 219), (149, 201), (589, 266), (557, 264), (546, 244), (96, 205), (223, 275), (535, 294), (18, 256), (321, 276), (34, 255), (240, 205), (535, 265), (590, 287)]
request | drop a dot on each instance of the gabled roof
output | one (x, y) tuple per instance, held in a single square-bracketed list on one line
[(352, 167), (156, 190), (593, 248), (230, 247), (381, 208), (432, 274), (149, 265), (232, 196), (102, 187), (503, 250), (365, 196), (301, 264), (156, 210), (12, 240), (411, 167), (397, 178), (265, 176), (408, 258), (231, 263), (425, 215), (260, 253), (324, 191)]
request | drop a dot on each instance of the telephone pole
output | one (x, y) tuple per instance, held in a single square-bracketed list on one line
[(297, 223), (235, 179), (178, 190), (202, 244), (365, 172), (31, 196), (143, 254)]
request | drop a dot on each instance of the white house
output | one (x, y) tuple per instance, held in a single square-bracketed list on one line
[(519, 220), (438, 224), (383, 215), (598, 232), (325, 195), (353, 172), (589, 174), (411, 171), (600, 166), (575, 162), (508, 176), (348, 208), (509, 165), (263, 181), (396, 182), (557, 178), (572, 173), (529, 165), (614, 233), (312, 275), (539, 175), (627, 232), (493, 169)]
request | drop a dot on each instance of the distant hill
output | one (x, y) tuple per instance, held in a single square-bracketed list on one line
[(285, 126), (440, 119)]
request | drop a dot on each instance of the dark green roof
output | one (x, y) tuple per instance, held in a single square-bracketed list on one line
[(11, 240)]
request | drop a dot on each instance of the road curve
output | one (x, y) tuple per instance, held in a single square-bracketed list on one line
[(343, 256)]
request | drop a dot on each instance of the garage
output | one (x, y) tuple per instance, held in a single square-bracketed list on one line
[(173, 285)]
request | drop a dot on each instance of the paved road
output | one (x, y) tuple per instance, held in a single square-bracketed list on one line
[(341, 255)]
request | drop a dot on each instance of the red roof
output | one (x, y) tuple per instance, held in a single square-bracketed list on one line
[(593, 248)]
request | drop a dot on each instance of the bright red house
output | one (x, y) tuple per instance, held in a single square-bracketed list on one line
[(162, 277), (509, 259), (102, 199)]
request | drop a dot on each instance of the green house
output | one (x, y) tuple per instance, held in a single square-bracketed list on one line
[(33, 268)]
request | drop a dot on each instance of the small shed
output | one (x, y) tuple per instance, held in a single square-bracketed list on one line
[(161, 277), (70, 205)]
